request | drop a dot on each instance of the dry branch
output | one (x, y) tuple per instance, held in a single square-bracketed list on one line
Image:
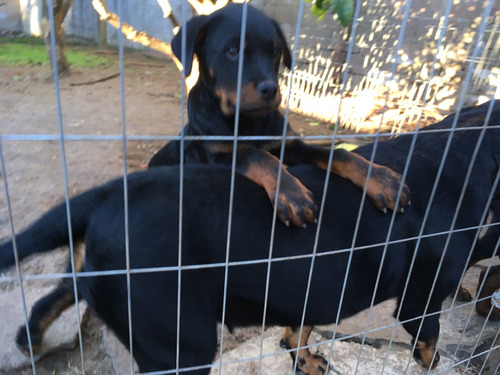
[(96, 81), (167, 13)]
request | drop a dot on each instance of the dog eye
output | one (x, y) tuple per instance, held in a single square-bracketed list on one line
[(277, 52), (233, 51)]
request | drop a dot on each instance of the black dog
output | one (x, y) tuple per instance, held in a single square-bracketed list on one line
[(215, 40), (153, 206)]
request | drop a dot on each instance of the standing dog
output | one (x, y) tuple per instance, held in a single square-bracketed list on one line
[(97, 218)]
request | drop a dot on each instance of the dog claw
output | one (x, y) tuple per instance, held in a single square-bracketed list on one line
[(402, 210), (287, 223), (304, 225), (384, 210)]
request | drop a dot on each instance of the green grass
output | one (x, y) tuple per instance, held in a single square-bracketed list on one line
[(31, 51)]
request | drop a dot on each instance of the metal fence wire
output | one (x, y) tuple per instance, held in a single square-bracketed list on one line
[(371, 345)]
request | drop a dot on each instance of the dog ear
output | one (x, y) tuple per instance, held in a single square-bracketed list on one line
[(194, 35), (287, 56)]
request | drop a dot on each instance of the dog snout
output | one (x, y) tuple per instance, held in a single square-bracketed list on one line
[(267, 90)]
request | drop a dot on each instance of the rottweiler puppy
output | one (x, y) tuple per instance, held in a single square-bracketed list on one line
[(212, 102)]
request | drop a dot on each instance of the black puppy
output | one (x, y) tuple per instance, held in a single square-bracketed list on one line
[(97, 217), (215, 40)]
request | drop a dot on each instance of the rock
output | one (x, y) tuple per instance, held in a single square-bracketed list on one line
[(120, 356), (345, 355)]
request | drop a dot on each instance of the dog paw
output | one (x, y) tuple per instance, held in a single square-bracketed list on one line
[(22, 342), (426, 355), (463, 295), (483, 309), (313, 364), (383, 189), (295, 203)]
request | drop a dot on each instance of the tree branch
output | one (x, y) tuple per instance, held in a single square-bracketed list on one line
[(167, 13), (134, 35)]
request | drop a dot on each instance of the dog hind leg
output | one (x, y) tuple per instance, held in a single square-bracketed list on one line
[(491, 284), (43, 313)]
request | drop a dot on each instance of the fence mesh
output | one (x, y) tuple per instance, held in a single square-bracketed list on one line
[(395, 95)]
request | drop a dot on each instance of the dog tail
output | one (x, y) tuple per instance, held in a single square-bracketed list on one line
[(51, 230)]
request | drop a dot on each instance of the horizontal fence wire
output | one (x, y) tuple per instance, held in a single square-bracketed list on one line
[(84, 274), (89, 137), (424, 96)]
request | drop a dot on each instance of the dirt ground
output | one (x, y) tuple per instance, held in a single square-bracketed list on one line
[(34, 168)]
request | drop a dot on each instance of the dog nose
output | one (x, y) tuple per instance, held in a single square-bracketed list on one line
[(267, 90)]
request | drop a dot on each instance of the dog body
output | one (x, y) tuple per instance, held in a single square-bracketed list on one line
[(97, 217)]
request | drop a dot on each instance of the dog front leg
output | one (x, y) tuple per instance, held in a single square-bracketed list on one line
[(383, 185), (295, 202)]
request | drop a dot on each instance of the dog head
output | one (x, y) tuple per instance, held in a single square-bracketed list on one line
[(215, 40)]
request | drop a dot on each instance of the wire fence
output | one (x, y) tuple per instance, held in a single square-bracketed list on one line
[(301, 89)]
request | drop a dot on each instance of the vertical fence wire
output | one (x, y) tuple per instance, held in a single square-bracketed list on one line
[(19, 277), (181, 186), (119, 11), (241, 59), (65, 173)]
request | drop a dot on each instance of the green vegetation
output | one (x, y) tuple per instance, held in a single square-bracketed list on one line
[(347, 146), (343, 8), (31, 51)]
